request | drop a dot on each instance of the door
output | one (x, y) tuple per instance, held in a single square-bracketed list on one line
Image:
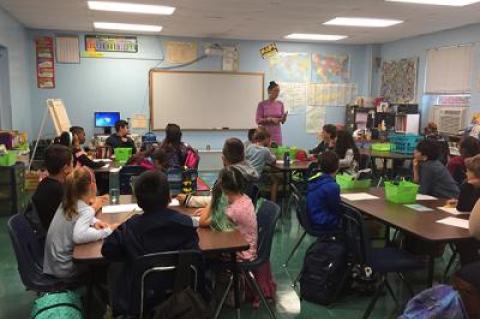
[(5, 100)]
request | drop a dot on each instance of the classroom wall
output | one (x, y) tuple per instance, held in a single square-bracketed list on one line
[(418, 46), (120, 83), (14, 40)]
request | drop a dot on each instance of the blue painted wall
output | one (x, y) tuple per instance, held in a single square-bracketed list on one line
[(14, 40), (418, 46), (120, 83)]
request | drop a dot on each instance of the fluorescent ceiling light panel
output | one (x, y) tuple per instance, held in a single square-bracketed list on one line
[(130, 7), (363, 22), (315, 37), (455, 3), (127, 27)]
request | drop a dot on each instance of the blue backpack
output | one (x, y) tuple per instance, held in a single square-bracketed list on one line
[(438, 302)]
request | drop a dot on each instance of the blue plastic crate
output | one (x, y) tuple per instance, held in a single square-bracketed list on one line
[(404, 143)]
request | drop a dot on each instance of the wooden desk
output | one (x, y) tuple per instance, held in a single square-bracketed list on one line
[(419, 224), (210, 241)]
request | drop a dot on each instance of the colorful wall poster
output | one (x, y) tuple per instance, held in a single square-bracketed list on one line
[(293, 96), (330, 68), (332, 94), (290, 67), (399, 80), (315, 119), (111, 43), (45, 62)]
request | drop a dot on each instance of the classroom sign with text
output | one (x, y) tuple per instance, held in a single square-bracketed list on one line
[(45, 63)]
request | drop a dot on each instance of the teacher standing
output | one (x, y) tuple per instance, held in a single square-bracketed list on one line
[(271, 114)]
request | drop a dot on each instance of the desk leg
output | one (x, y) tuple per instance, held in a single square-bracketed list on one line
[(284, 194), (431, 270), (236, 287)]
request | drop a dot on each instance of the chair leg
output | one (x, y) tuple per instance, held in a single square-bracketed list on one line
[(224, 296), (295, 247), (449, 265), (407, 284), (374, 300), (390, 290), (251, 278)]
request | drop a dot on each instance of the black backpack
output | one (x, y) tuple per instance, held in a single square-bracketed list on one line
[(325, 272)]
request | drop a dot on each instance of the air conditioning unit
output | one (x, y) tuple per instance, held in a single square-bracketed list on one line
[(449, 119)]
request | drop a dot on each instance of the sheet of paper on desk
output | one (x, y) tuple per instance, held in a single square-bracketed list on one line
[(425, 197), (456, 222), (115, 169), (419, 208), (174, 203), (279, 162), (451, 210), (358, 196), (124, 208), (105, 160)]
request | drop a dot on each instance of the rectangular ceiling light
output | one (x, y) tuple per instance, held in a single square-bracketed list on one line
[(455, 3), (363, 22), (127, 27), (130, 7), (315, 37)]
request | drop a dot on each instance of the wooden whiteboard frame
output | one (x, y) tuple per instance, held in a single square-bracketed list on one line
[(150, 80)]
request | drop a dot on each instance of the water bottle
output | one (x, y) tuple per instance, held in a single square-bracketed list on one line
[(286, 159), (114, 186)]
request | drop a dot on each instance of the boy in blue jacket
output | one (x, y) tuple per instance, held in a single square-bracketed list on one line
[(323, 197)]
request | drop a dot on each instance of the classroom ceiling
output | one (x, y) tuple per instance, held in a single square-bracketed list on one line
[(252, 19)]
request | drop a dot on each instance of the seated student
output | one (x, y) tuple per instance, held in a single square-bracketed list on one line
[(240, 210), (233, 154), (470, 189), (80, 158), (251, 133), (172, 145), (49, 193), (74, 223), (347, 151), (431, 174), (158, 229), (323, 196), (328, 135), (120, 138), (258, 153), (432, 134), (468, 147), (467, 280), (160, 160)]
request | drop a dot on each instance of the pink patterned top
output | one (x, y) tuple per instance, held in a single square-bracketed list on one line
[(242, 214), (273, 109)]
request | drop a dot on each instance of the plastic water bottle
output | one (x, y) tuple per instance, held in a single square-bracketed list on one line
[(286, 159), (114, 186)]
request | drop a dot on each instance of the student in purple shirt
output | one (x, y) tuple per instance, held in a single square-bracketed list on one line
[(271, 114)]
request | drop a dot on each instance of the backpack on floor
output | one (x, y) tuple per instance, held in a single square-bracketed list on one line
[(65, 305), (438, 302), (325, 272)]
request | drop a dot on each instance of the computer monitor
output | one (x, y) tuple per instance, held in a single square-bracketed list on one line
[(106, 120)]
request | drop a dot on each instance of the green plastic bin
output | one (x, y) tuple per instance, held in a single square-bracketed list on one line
[(403, 193), (348, 182), (122, 155), (9, 159), (381, 147)]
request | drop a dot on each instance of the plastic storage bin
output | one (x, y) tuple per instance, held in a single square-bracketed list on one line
[(404, 143), (348, 182), (403, 193), (122, 155), (9, 159), (381, 147)]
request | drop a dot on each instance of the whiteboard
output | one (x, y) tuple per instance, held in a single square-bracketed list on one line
[(204, 100)]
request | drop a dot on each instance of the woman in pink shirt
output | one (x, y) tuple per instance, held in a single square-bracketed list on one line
[(271, 114)]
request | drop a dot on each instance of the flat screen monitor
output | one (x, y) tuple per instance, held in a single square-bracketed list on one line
[(106, 119)]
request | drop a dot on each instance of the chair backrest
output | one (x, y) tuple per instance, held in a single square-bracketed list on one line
[(28, 250), (155, 274), (300, 201), (125, 177), (253, 192), (267, 217), (364, 161), (356, 234)]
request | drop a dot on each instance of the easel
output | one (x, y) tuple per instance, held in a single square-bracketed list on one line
[(60, 119)]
